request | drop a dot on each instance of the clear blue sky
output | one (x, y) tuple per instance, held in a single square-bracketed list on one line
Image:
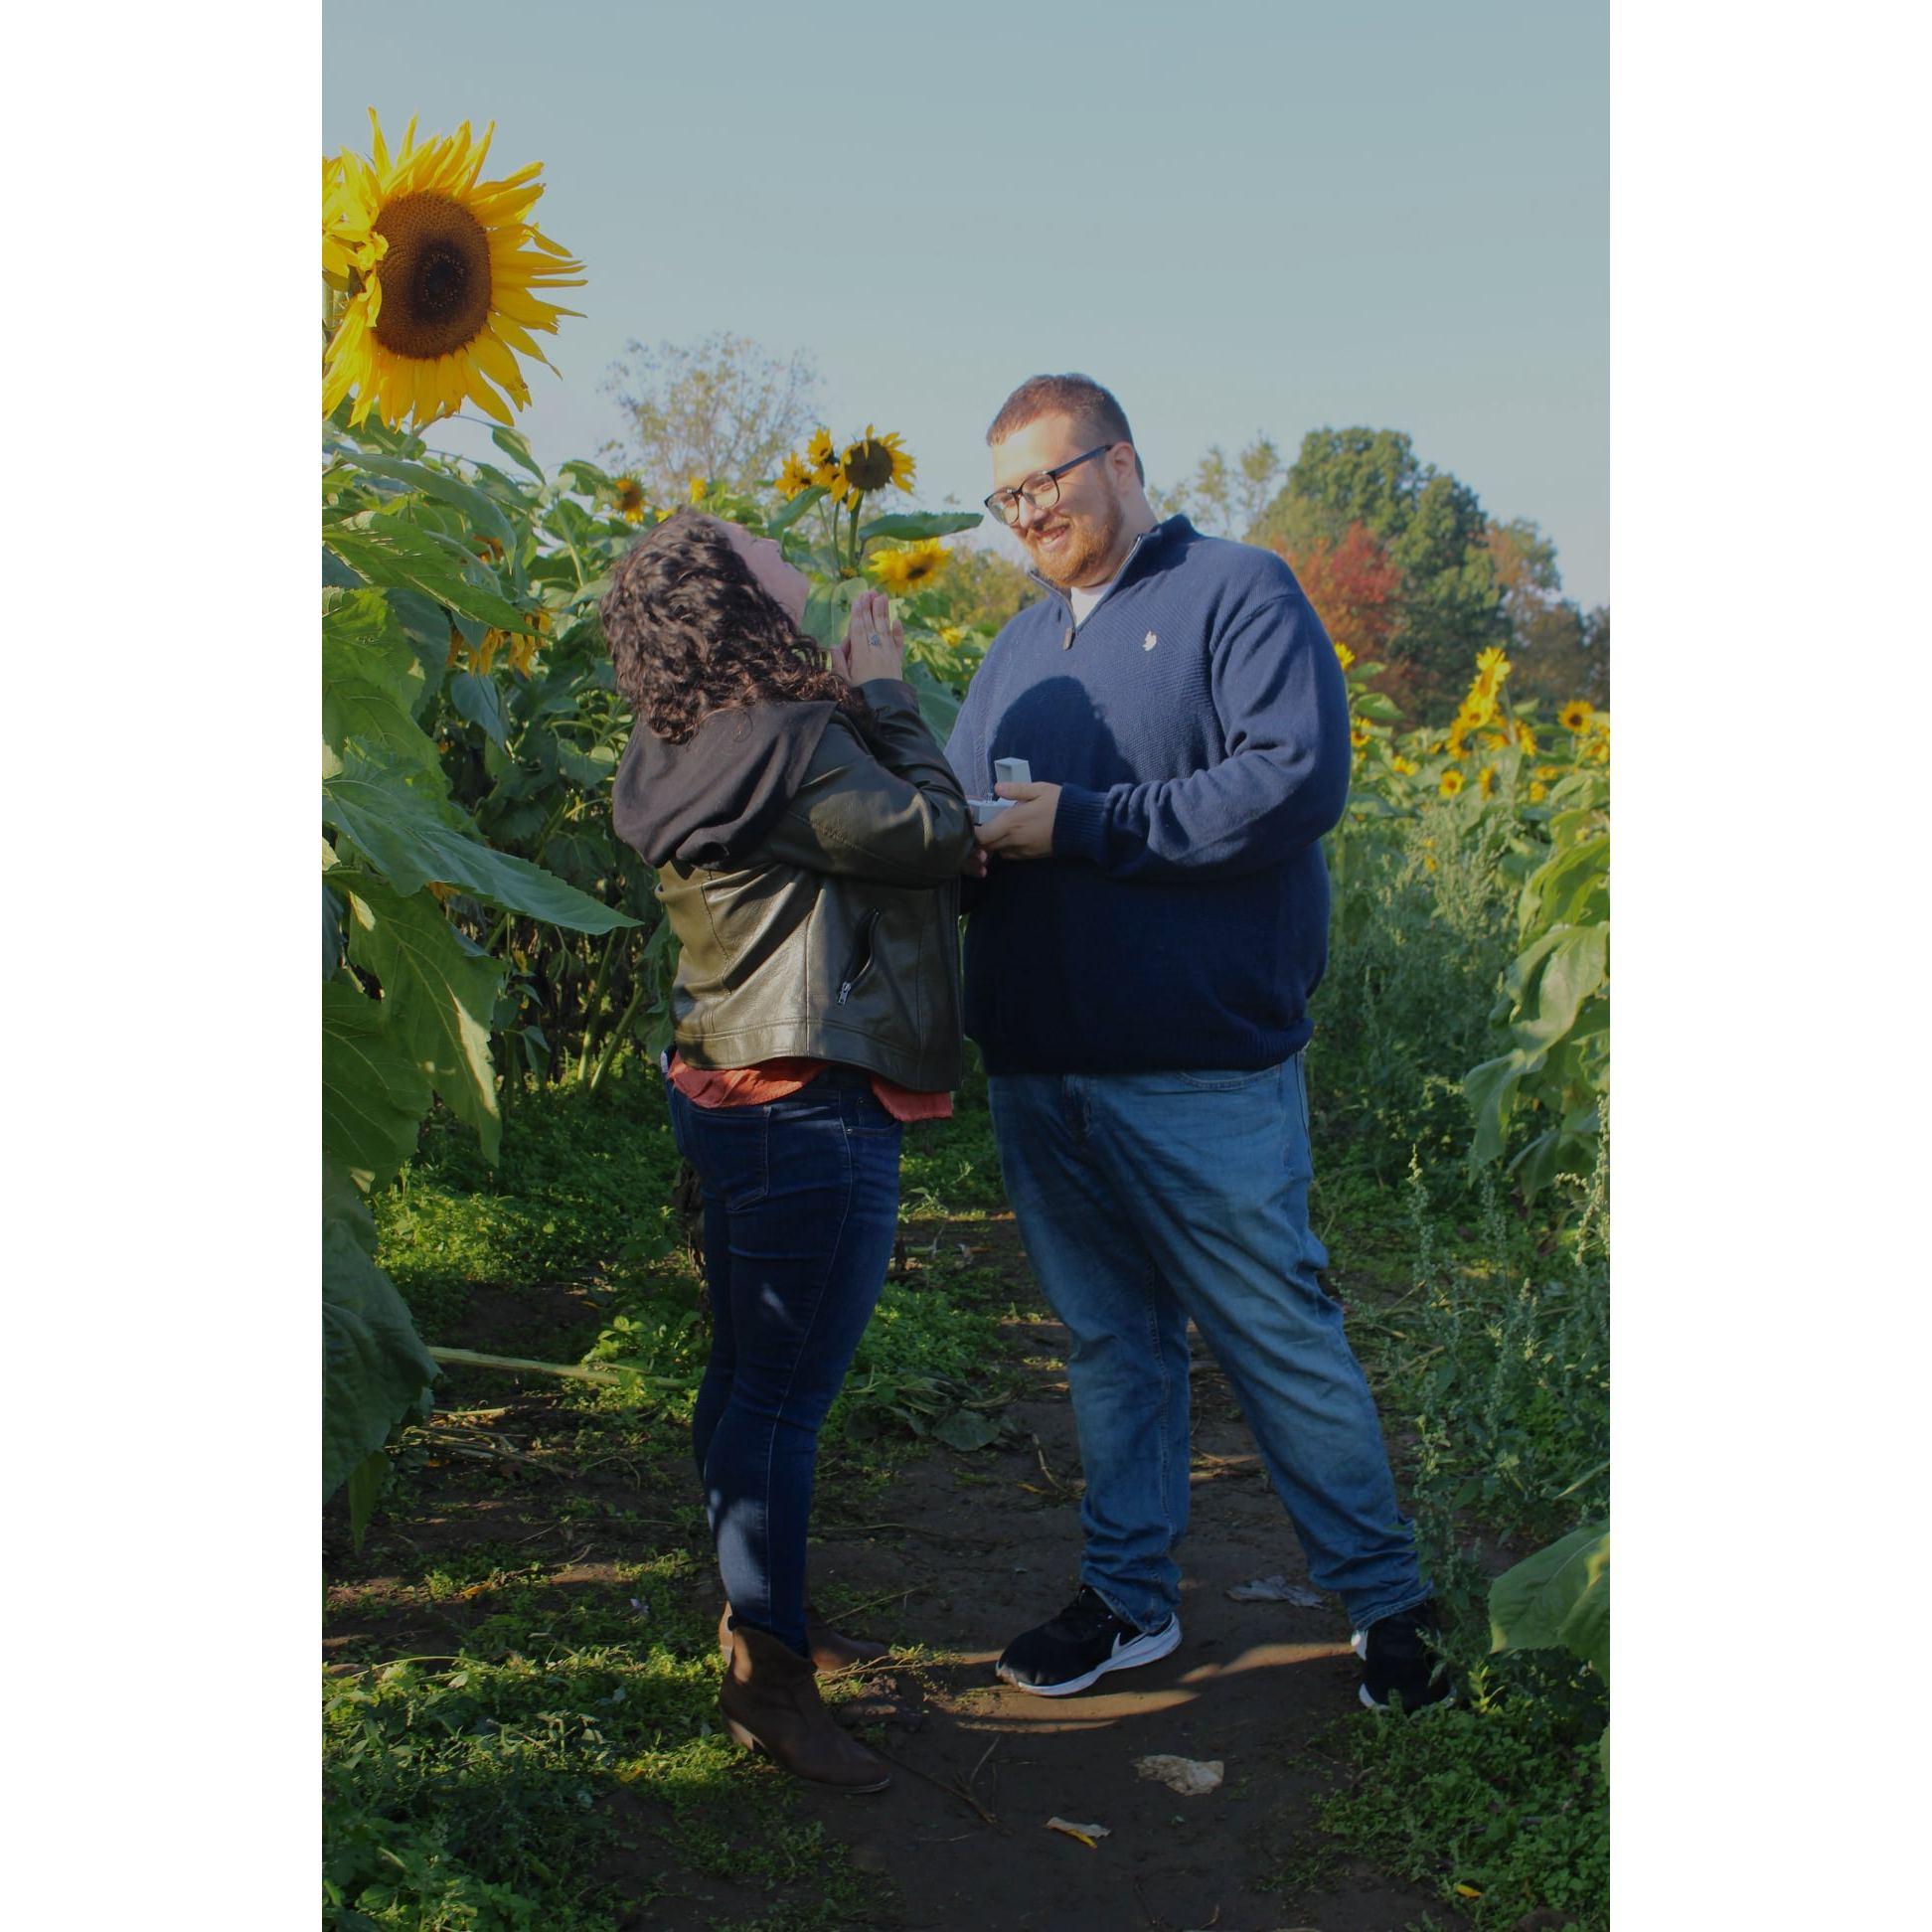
[(1240, 215)]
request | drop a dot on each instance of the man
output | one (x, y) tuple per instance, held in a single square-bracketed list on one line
[(1138, 966)]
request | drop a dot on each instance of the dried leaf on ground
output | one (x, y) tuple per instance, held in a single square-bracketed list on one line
[(1190, 1777), (1089, 1834), (1276, 1590)]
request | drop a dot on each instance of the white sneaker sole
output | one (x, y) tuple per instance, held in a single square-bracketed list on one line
[(1145, 1649)]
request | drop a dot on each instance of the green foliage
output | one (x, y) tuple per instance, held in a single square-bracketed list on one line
[(424, 564), (1417, 942), (1450, 603), (1553, 1008), (1557, 1598), (374, 1368), (1504, 1800)]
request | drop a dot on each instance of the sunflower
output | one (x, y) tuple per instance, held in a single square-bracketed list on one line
[(951, 634), (1577, 714), (793, 478), (910, 567), (697, 489), (875, 462), (1538, 791), (628, 499), (1486, 782), (1359, 735), (441, 270), (1526, 738), (1452, 782), (1548, 774), (1347, 656), (1491, 667), (1406, 766), (822, 460)]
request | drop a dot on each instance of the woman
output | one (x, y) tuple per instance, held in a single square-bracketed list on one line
[(809, 838)]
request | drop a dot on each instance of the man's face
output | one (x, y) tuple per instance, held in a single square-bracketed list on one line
[(1072, 543)]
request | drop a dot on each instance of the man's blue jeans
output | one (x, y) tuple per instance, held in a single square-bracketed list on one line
[(801, 1206), (1148, 1199)]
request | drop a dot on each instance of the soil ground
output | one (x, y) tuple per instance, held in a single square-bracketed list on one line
[(955, 1555)]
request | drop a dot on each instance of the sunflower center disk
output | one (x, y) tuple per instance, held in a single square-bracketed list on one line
[(869, 466), (435, 277)]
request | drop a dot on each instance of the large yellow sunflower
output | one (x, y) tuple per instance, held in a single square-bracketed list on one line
[(1451, 782), (910, 567), (874, 461), (629, 500), (1577, 714), (440, 269), (793, 478)]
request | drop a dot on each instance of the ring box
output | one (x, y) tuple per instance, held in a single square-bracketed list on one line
[(1012, 771), (986, 810)]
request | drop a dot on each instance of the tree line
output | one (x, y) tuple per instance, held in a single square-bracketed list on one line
[(1400, 556)]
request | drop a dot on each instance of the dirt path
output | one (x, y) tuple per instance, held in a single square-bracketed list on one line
[(959, 1552), (985, 1546)]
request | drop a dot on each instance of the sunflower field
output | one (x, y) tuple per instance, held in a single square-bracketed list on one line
[(488, 945), (481, 924)]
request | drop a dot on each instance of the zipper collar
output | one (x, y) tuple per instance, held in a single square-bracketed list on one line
[(1168, 527)]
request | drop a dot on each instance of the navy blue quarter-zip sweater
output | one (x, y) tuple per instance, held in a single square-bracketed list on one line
[(1198, 727)]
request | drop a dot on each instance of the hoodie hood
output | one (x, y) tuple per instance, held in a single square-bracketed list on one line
[(715, 798)]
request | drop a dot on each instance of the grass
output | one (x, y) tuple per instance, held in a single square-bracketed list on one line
[(512, 1742), (1484, 1324)]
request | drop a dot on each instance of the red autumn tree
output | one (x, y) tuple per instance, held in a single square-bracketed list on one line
[(1353, 586)]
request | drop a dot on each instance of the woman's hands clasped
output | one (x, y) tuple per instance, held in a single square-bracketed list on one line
[(875, 643)]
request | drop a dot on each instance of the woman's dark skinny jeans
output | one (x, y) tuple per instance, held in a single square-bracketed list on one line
[(801, 1206)]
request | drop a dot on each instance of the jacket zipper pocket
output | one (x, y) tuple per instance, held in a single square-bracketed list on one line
[(862, 949)]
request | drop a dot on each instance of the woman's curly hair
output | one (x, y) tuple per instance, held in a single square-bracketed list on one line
[(691, 631)]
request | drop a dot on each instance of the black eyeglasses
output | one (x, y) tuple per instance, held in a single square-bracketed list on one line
[(1042, 489)]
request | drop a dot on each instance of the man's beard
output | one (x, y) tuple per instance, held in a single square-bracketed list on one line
[(1089, 543)]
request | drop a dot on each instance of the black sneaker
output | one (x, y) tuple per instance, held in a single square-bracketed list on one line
[(1085, 1642), (1400, 1653)]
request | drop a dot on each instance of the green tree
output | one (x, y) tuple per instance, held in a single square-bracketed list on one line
[(981, 589), (1451, 600), (721, 409)]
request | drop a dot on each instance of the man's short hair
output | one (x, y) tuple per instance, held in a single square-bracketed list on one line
[(1096, 416)]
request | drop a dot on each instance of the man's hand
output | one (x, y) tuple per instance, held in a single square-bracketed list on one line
[(1025, 832), (973, 865)]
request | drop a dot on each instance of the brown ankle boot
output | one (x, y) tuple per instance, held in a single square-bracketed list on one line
[(831, 1650), (770, 1702)]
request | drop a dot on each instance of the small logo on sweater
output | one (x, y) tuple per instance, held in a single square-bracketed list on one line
[(1149, 642)]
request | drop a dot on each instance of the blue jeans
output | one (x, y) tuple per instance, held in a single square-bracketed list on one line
[(801, 1206), (1148, 1199)]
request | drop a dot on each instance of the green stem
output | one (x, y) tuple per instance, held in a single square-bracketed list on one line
[(856, 502), (621, 1031), (595, 1001)]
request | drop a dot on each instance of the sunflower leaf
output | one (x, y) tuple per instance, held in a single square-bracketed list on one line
[(372, 679), (407, 841), (390, 551), (517, 449), (921, 523), (446, 489), (440, 997), (374, 1368), (372, 1097), (781, 521)]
